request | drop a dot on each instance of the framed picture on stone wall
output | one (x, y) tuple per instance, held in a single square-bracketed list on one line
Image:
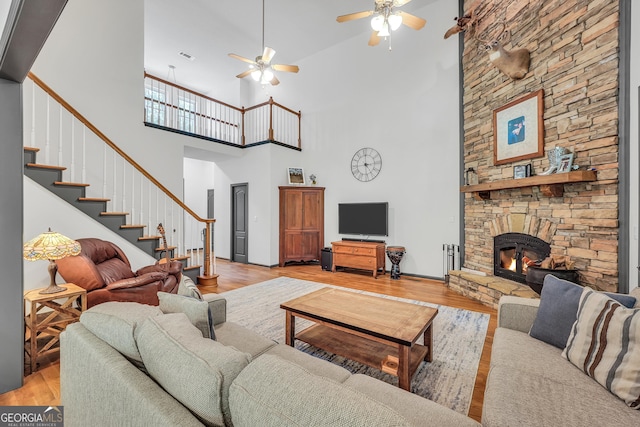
[(518, 129)]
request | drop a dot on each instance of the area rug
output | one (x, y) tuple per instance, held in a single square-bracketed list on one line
[(458, 338)]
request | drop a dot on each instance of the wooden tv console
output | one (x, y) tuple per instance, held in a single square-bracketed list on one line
[(363, 255)]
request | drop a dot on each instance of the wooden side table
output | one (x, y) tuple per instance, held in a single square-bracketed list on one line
[(45, 326)]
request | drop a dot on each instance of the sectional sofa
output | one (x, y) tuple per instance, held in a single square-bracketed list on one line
[(530, 383), (135, 365)]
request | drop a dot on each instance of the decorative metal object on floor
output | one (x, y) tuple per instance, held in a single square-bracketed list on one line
[(536, 275), (395, 254)]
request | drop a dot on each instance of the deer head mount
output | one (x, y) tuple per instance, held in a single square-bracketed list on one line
[(513, 63)]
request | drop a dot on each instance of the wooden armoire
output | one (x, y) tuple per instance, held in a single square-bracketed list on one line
[(301, 223)]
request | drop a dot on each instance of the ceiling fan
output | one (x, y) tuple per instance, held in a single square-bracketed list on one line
[(386, 19), (261, 70)]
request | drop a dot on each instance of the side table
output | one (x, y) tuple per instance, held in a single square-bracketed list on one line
[(44, 327)]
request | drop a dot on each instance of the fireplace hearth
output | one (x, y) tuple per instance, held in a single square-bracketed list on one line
[(513, 253)]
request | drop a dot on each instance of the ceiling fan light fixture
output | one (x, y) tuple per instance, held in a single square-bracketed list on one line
[(384, 32), (267, 76), (395, 21), (377, 22), (256, 74)]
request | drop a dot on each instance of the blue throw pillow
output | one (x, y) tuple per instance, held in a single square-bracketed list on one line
[(558, 310)]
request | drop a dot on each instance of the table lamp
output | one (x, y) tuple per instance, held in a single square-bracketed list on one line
[(51, 246)]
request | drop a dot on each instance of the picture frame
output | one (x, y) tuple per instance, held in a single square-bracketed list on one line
[(518, 129), (520, 171), (295, 176), (565, 162)]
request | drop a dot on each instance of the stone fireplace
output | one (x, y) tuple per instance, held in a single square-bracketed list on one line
[(579, 76)]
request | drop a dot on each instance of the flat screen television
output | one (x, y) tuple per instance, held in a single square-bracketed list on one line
[(367, 219)]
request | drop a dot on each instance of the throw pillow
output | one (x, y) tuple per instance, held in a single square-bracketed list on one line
[(197, 311), (189, 289), (558, 307), (116, 322), (605, 344), (195, 371)]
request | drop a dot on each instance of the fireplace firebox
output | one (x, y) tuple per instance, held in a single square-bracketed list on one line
[(514, 252)]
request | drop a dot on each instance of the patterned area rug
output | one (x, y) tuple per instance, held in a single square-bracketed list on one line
[(458, 339)]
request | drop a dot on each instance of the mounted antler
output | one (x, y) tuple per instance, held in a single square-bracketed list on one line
[(463, 23), (514, 63)]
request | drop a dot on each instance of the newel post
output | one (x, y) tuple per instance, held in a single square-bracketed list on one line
[(299, 129), (271, 118), (209, 278), (243, 141)]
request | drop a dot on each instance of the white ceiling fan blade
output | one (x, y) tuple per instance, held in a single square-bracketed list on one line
[(267, 54), (287, 68), (397, 3), (242, 58)]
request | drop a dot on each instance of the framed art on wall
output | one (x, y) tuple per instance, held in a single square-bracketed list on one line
[(518, 129), (295, 175)]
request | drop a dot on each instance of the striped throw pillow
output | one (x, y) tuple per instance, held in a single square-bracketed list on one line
[(605, 343)]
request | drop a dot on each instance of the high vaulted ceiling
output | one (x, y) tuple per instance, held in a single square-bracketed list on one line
[(210, 29)]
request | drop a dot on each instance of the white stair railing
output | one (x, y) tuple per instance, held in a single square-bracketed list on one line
[(56, 127)]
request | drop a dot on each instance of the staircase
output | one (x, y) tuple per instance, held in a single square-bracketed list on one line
[(50, 177), (125, 198)]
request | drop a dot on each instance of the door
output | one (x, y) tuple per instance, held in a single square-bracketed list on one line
[(239, 222)]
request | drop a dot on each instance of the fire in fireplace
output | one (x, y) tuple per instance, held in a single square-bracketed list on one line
[(514, 252)]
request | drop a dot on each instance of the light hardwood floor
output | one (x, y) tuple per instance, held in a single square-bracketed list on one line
[(43, 386)]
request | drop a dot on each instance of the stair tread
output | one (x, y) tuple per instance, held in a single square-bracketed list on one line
[(93, 199), (192, 267), (162, 248), (71, 184), (41, 166), (149, 237), (113, 213), (180, 258), (34, 149), (133, 226)]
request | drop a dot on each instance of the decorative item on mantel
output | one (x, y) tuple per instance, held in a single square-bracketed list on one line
[(554, 156), (558, 266), (470, 177), (312, 178), (50, 246)]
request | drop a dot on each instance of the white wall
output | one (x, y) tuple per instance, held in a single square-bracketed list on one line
[(198, 178), (634, 156)]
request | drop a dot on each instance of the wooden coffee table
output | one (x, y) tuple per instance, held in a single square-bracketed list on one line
[(377, 332)]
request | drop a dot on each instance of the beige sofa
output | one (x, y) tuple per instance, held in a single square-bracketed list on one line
[(531, 384), (164, 373)]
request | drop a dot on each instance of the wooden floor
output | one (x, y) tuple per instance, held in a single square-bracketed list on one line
[(43, 386)]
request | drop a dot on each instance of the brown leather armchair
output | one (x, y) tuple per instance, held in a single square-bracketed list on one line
[(105, 272)]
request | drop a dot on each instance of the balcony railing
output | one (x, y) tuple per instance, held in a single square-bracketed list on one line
[(171, 106)]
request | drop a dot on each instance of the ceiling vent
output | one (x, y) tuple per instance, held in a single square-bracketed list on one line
[(185, 55)]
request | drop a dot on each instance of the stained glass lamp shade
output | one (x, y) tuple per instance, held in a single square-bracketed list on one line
[(50, 246)]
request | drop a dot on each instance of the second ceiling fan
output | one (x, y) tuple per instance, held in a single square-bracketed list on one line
[(386, 19), (261, 70)]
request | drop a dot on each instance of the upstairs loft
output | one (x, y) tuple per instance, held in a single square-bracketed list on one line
[(175, 108)]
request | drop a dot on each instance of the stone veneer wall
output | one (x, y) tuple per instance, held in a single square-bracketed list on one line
[(574, 59)]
